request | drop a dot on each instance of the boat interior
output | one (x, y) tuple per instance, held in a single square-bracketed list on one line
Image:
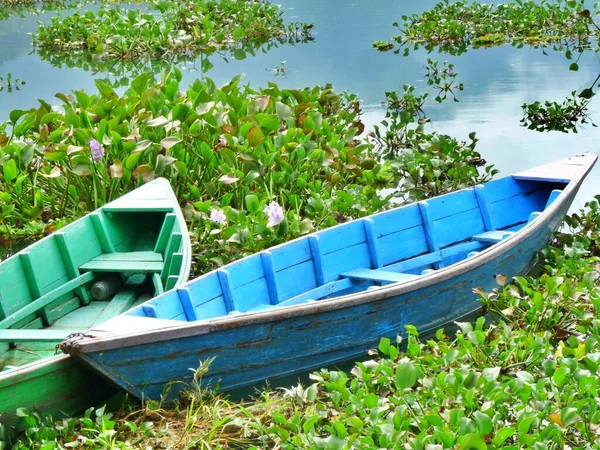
[(96, 268), (394, 246)]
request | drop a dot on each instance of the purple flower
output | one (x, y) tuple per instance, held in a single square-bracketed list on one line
[(218, 216), (275, 213), (97, 150)]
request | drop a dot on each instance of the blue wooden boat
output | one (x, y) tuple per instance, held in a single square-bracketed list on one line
[(331, 296)]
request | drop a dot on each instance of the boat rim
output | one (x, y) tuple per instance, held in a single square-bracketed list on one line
[(111, 340)]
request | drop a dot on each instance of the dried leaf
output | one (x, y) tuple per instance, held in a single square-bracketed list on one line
[(501, 279), (145, 171), (228, 179), (116, 169)]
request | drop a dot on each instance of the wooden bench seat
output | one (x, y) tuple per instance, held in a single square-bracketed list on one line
[(28, 335), (493, 236), (381, 276), (140, 262)]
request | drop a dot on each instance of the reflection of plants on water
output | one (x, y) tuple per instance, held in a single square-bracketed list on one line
[(11, 8), (442, 78), (564, 26), (279, 69), (9, 83), (120, 71), (170, 29)]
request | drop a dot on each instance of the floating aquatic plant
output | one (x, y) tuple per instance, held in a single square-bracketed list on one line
[(232, 149), (554, 116), (169, 30), (455, 27)]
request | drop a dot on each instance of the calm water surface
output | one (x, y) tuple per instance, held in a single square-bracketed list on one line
[(497, 81)]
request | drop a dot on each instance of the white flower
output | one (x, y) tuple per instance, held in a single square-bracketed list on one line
[(218, 216), (275, 213)]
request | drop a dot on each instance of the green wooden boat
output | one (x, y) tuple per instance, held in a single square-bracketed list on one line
[(109, 261)]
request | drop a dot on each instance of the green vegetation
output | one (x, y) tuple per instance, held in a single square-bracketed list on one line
[(169, 29), (454, 27), (554, 116), (10, 8), (9, 83), (233, 150), (383, 46), (528, 380), (566, 26)]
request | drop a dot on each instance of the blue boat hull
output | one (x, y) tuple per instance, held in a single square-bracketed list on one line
[(249, 354), (329, 297)]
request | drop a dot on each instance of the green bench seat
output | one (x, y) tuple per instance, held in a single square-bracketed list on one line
[(139, 262), (27, 335)]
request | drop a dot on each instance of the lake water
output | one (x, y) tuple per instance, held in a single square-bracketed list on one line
[(497, 81)]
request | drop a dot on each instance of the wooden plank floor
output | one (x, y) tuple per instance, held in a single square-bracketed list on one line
[(27, 352)]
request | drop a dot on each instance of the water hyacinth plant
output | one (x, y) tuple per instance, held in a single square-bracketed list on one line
[(455, 27), (169, 30), (233, 149)]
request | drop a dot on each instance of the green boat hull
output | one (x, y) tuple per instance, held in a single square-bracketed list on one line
[(57, 387), (96, 268)]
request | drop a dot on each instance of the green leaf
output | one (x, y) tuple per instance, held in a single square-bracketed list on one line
[(252, 203), (140, 83), (371, 400), (238, 33), (472, 442), (384, 346), (83, 99), (484, 423), (25, 125), (270, 124), (574, 67), (560, 376), (16, 114), (524, 424), (406, 374), (502, 435), (105, 88), (132, 160), (239, 54), (10, 170)]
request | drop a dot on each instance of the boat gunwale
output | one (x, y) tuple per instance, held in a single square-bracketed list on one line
[(112, 340), (30, 368)]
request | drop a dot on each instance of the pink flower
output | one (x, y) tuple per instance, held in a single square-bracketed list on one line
[(97, 150), (218, 216), (275, 213)]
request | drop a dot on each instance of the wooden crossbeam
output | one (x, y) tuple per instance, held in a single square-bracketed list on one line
[(70, 267), (46, 299)]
